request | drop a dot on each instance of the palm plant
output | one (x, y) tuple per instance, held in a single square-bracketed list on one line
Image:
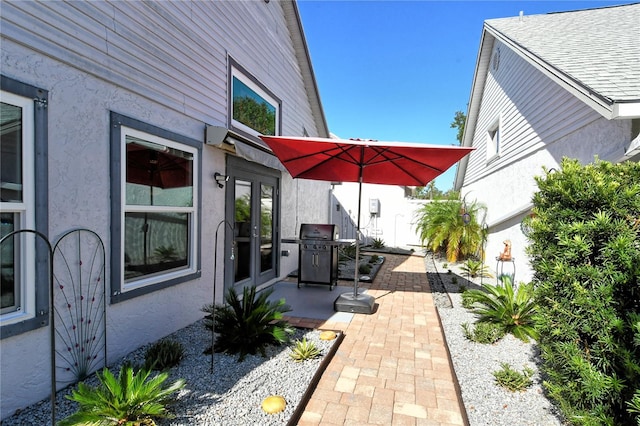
[(476, 268), (513, 309), (441, 226), (130, 399), (249, 325)]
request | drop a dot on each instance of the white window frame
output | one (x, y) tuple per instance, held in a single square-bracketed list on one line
[(252, 84), (26, 304), (494, 137), (192, 210)]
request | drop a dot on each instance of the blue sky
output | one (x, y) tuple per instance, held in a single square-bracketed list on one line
[(399, 70)]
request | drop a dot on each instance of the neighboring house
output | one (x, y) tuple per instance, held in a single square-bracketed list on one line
[(547, 87), (388, 213), (139, 121)]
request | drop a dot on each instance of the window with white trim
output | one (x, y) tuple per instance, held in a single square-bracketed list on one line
[(254, 109), (158, 210), (23, 281), (493, 141)]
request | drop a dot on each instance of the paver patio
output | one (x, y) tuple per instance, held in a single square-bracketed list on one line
[(392, 367)]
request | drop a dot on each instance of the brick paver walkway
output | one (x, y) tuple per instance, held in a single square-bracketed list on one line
[(393, 366)]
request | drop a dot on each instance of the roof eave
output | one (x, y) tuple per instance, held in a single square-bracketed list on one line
[(608, 108), (292, 16), (475, 99)]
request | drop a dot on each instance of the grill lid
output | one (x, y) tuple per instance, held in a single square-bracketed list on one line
[(316, 231)]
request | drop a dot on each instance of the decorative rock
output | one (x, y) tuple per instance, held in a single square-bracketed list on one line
[(273, 404), (327, 335)]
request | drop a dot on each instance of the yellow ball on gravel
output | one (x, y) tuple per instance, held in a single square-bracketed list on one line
[(273, 404), (327, 335)]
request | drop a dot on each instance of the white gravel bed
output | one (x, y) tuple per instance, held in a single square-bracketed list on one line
[(232, 395), (486, 402)]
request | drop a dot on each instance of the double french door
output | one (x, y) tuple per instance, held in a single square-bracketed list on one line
[(252, 201)]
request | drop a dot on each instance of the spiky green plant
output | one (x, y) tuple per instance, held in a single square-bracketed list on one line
[(513, 380), (476, 268), (513, 309), (377, 243), (303, 350), (163, 355), (130, 399), (248, 325)]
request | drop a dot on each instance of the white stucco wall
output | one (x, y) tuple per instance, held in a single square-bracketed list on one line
[(395, 223), (510, 189)]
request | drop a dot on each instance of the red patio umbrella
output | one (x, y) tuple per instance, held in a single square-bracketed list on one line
[(363, 161)]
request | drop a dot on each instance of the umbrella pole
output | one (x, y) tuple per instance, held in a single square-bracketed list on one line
[(357, 266), (356, 303)]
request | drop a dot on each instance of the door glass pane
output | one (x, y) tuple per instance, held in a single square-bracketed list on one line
[(155, 242), (9, 286), (266, 227), (11, 153), (243, 231)]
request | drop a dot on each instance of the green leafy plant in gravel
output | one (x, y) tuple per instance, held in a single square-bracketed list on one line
[(303, 350), (483, 332), (129, 399), (513, 380), (364, 268), (476, 268), (585, 253), (513, 309), (163, 355), (248, 325)]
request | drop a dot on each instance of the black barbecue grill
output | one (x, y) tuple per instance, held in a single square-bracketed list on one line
[(318, 256)]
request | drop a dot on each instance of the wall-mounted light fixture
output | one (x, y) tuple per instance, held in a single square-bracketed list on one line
[(220, 179)]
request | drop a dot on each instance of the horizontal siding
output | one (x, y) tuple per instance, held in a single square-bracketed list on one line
[(173, 53), (534, 114)]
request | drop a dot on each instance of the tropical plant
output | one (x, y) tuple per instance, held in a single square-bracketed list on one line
[(248, 325), (347, 252), (303, 350), (441, 227), (163, 355), (377, 243), (130, 399), (476, 268), (374, 259), (585, 253), (513, 309), (513, 380)]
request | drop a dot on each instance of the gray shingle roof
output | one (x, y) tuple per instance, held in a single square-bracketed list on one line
[(598, 48)]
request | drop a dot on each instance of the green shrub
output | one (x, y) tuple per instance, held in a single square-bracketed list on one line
[(513, 380), (476, 268), (249, 325), (513, 309), (163, 355), (303, 350), (466, 299), (483, 332), (364, 268), (374, 259), (585, 253), (129, 399)]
